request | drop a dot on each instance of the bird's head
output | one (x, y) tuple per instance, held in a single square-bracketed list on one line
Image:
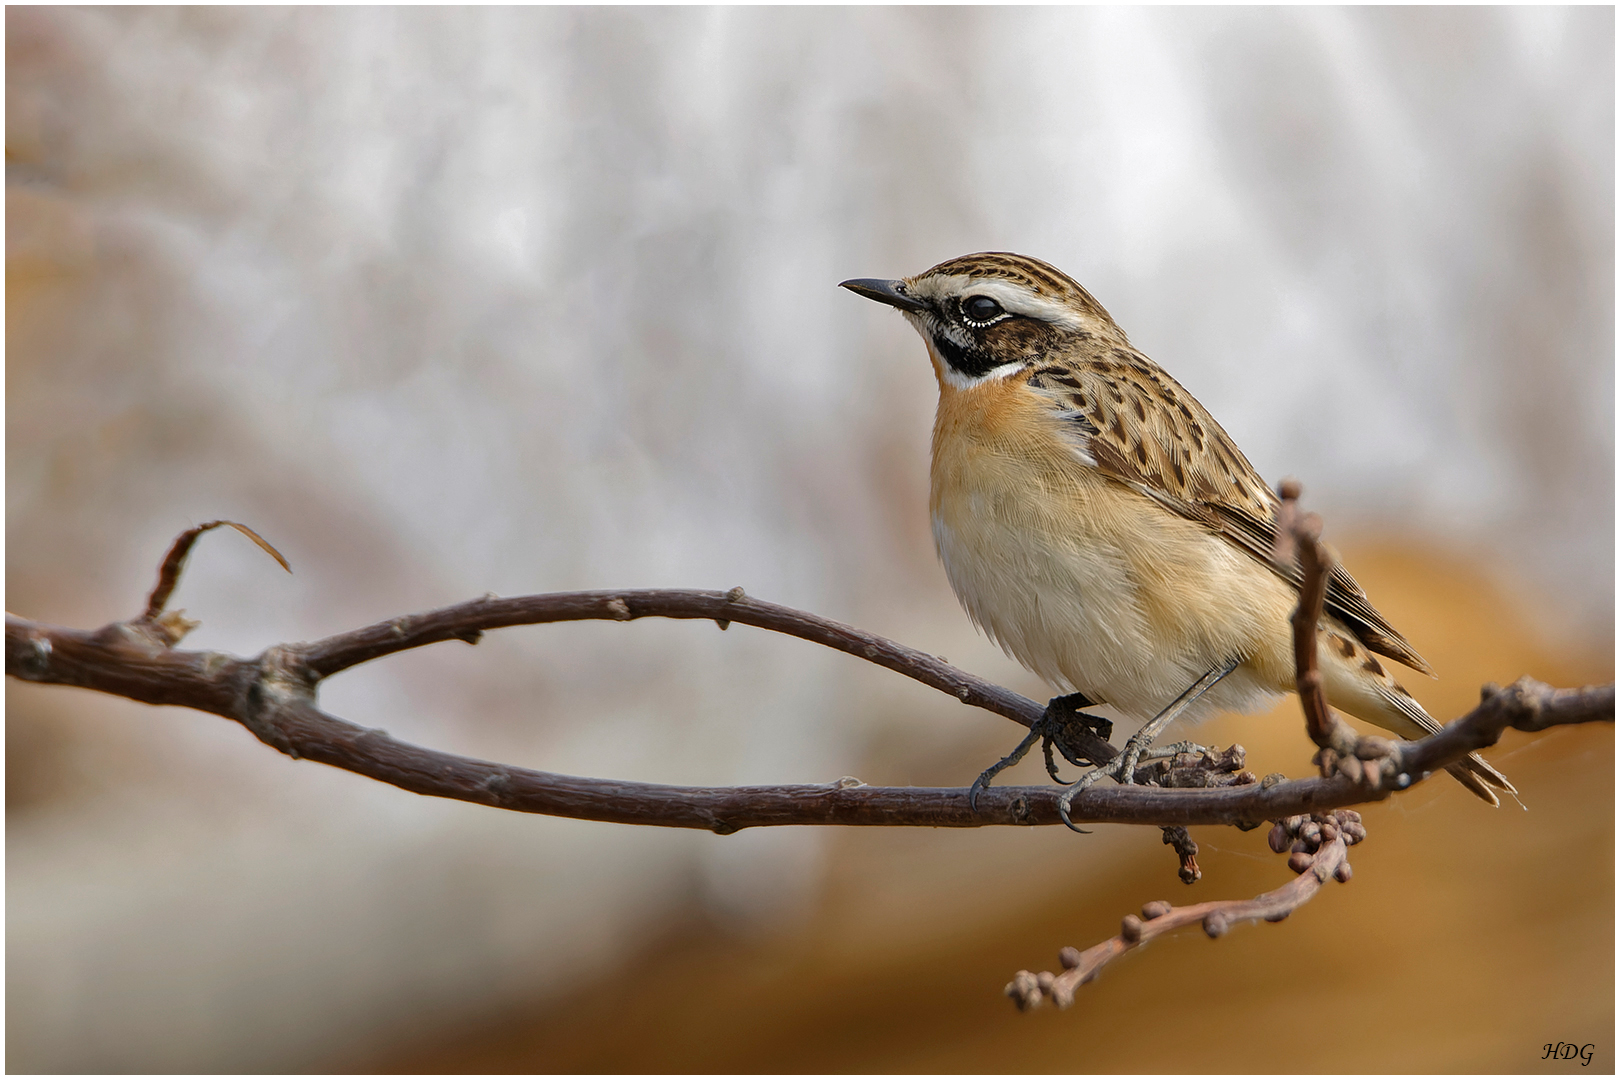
[(990, 315)]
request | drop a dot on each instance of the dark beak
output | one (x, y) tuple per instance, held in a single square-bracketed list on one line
[(892, 293)]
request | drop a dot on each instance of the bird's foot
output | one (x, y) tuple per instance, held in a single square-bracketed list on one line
[(1068, 729), (1075, 734), (1122, 769)]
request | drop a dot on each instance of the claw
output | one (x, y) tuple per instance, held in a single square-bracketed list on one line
[(1051, 728), (1057, 727), (1051, 766), (1011, 759), (978, 785), (1066, 799)]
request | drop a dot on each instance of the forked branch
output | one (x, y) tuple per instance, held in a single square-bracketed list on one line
[(273, 695)]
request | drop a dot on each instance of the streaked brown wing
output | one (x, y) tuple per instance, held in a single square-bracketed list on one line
[(1143, 429)]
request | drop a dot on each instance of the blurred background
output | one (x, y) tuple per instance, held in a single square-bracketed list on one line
[(452, 301)]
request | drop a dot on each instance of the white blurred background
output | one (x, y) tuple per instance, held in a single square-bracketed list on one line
[(452, 301)]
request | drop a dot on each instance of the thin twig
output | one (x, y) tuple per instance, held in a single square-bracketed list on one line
[(175, 561), (1300, 536), (1526, 705), (1316, 565), (1329, 840), (1282, 540)]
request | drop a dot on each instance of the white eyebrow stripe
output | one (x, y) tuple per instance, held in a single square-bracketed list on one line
[(1016, 298)]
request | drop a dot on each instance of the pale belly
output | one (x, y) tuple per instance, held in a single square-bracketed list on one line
[(1125, 603)]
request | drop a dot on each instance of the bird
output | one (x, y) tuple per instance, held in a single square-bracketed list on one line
[(1097, 523)]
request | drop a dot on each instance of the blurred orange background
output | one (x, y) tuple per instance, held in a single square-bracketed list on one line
[(445, 302)]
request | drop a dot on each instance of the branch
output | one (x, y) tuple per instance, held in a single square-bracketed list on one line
[(175, 561), (1326, 835), (273, 695), (1526, 705), (1299, 536)]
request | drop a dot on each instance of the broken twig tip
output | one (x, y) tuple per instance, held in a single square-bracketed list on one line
[(175, 560)]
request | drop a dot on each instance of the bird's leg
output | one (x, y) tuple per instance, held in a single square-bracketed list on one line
[(1056, 726), (1062, 721), (1011, 759), (1123, 767)]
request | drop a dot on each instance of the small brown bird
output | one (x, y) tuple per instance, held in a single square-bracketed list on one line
[(1098, 524)]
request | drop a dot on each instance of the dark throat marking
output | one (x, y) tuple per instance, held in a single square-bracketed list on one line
[(969, 361)]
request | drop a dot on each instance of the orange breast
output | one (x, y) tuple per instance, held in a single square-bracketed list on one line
[(999, 440)]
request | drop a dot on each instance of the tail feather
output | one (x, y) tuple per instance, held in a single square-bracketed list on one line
[(1473, 783), (1479, 776), (1357, 683), (1473, 772)]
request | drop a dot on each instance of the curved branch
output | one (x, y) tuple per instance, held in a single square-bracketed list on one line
[(1526, 705), (273, 696), (467, 621), (1328, 837)]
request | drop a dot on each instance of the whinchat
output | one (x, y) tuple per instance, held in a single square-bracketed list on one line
[(1098, 524)]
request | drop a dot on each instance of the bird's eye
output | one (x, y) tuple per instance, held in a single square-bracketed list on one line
[(980, 309)]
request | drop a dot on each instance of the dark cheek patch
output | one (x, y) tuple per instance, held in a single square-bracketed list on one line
[(970, 362)]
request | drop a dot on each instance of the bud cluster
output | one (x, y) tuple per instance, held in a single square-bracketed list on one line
[(1303, 835)]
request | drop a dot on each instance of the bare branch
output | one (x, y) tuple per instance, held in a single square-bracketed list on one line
[(1282, 541), (1326, 835), (1303, 540), (273, 696), (468, 620), (1526, 705)]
